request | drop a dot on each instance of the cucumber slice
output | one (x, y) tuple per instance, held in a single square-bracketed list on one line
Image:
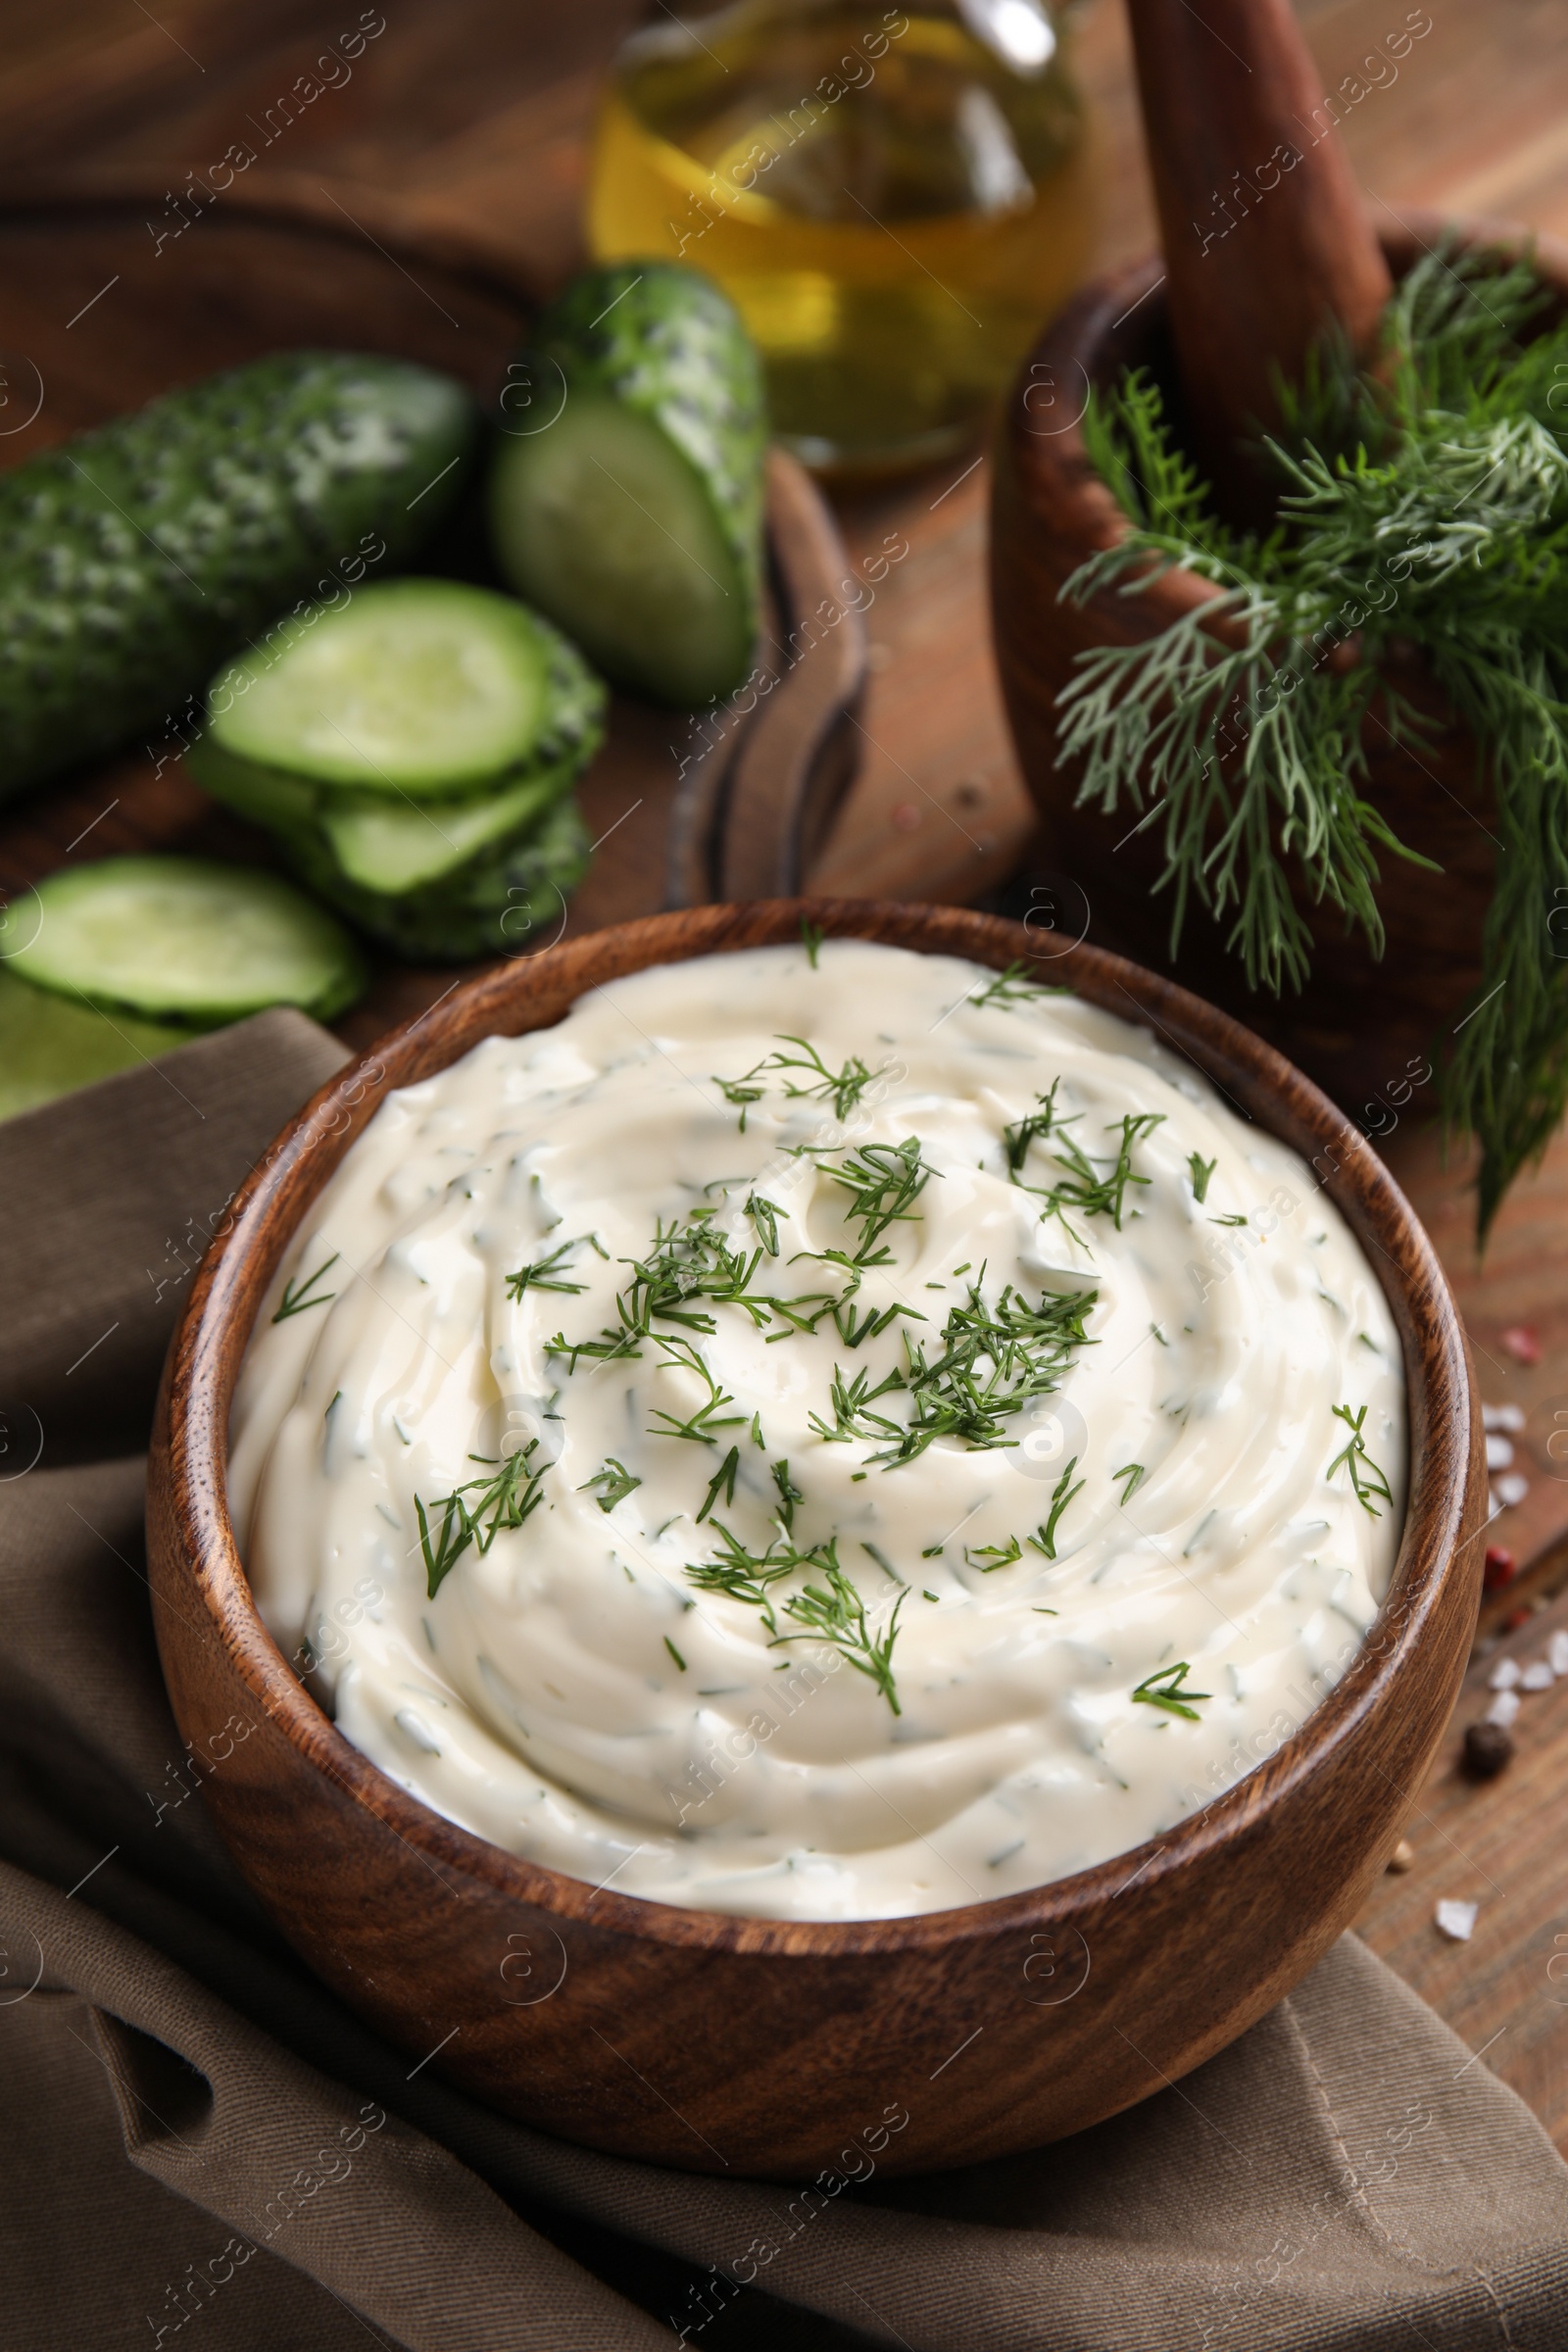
[(395, 850), (49, 1046), (635, 519), (186, 939), (267, 796), (414, 686), (504, 905), (139, 556)]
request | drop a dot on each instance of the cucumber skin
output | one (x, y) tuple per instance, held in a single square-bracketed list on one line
[(461, 918), (139, 556), (667, 342)]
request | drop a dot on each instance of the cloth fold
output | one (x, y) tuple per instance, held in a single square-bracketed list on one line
[(198, 2135)]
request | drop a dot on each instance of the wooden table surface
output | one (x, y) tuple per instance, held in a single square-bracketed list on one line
[(466, 123)]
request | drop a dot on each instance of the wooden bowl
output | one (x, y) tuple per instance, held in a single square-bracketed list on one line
[(1360, 1022), (751, 2045)]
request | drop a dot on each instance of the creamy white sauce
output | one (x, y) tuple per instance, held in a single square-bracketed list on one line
[(572, 1691)]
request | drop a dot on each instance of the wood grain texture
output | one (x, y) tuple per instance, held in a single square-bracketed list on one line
[(1499, 1845), (1362, 1021), (1267, 243), (716, 2043)]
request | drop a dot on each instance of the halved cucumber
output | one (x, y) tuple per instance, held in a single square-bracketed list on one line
[(635, 517), (426, 687), (182, 939)]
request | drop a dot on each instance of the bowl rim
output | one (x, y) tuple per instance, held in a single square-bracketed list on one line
[(250, 1239)]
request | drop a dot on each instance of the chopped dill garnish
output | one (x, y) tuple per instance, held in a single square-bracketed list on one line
[(1043, 1539), (698, 1427), (1133, 1472), (296, 1298), (993, 1362), (545, 1272), (765, 1215), (789, 1494), (830, 1610), (884, 1563), (987, 1556), (812, 941), (927, 1593), (1366, 1478), (740, 1095), (723, 1476), (1201, 1170), (612, 1481), (1230, 1218), (883, 1181), (1167, 1689), (1081, 1187), (1013, 987), (758, 1438), (676, 1653), (503, 1501), (852, 1403)]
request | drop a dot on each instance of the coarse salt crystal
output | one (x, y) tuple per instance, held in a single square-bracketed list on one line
[(1458, 1920), (1504, 1708), (1505, 1674), (1510, 1417), (1537, 1676), (1557, 1653), (1512, 1489), (1500, 1454)]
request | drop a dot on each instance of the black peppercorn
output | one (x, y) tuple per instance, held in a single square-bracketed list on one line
[(1488, 1749)]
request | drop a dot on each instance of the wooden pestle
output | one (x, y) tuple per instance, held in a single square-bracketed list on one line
[(1262, 253)]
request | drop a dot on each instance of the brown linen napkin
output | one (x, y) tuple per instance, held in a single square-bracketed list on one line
[(197, 2135)]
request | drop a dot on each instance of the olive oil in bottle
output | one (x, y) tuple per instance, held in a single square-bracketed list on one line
[(896, 199)]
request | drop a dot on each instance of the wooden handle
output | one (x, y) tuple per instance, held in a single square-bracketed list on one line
[(1267, 241)]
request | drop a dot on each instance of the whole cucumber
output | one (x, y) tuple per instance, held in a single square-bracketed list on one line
[(134, 558)]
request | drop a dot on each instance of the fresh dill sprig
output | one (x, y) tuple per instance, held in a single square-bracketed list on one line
[(1133, 1472), (545, 1274), (1368, 1481), (1082, 1186), (296, 1298), (834, 1611), (1043, 1539), (610, 1484), (690, 1262), (502, 1501), (841, 1088), (987, 1556), (883, 1182), (724, 1477), (1013, 987), (1423, 506), (830, 1610), (1167, 1689), (851, 1414), (697, 1428), (992, 1362), (740, 1095), (765, 1215)]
